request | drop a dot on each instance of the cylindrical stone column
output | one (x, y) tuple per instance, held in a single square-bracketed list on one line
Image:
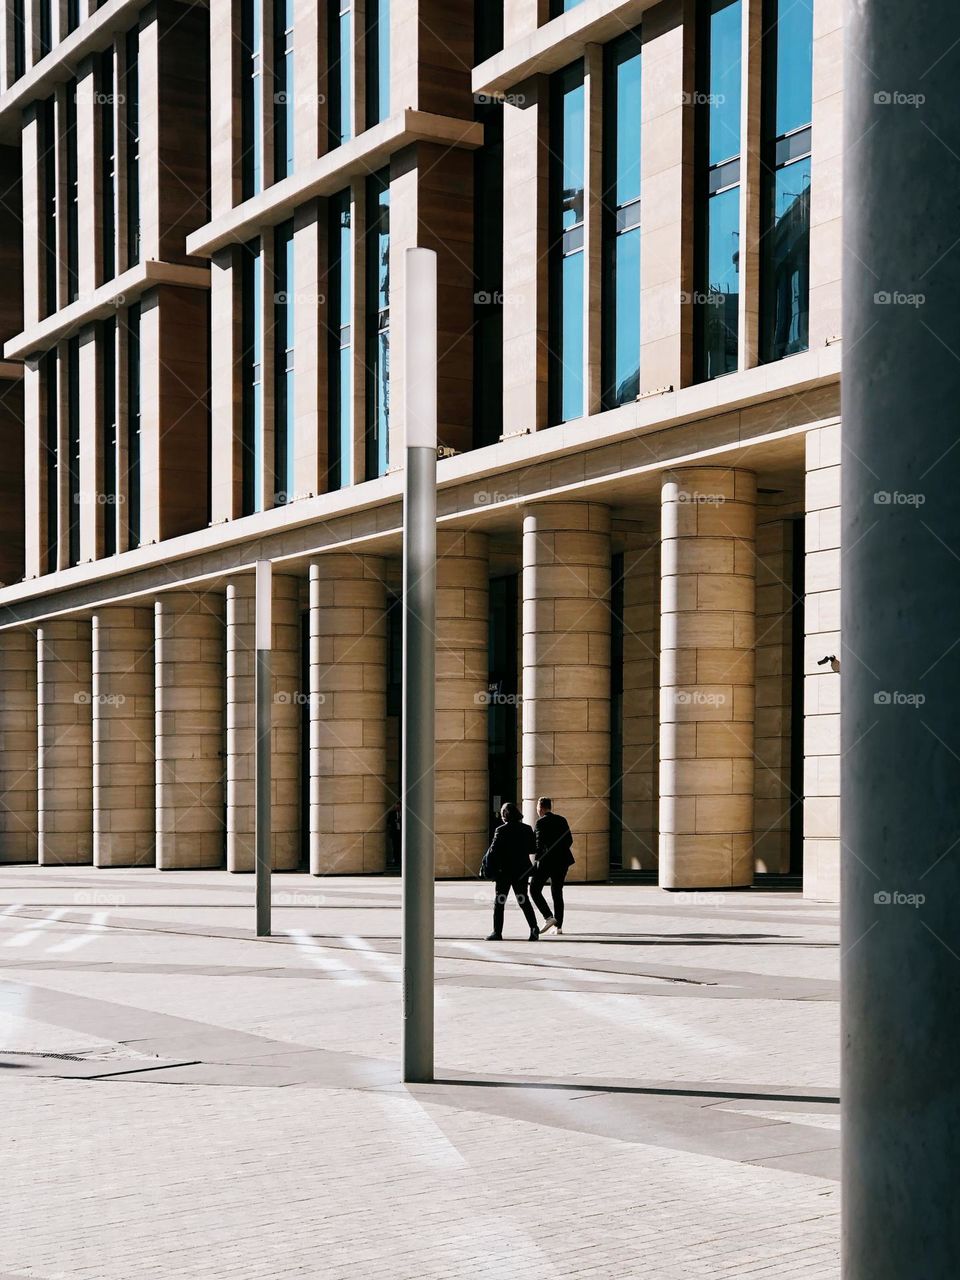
[(189, 667), (286, 709), (65, 743), (124, 828), (348, 707), (463, 676), (707, 677), (566, 674), (18, 746)]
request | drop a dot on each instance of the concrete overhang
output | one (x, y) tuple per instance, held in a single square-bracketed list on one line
[(104, 302), (557, 43), (713, 423), (330, 173)]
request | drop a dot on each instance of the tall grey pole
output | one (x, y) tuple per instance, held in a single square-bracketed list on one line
[(901, 636), (264, 701), (419, 625)]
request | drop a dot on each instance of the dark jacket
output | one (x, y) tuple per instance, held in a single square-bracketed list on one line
[(554, 842), (510, 851)]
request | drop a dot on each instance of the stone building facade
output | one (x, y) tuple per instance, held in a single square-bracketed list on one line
[(636, 210)]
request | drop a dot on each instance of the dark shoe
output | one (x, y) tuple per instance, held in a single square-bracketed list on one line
[(494, 937), (534, 935)]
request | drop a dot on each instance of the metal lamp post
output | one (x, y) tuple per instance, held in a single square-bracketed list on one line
[(419, 618), (263, 642)]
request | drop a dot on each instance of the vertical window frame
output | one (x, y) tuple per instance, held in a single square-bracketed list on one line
[(340, 342), (567, 245), (377, 262)]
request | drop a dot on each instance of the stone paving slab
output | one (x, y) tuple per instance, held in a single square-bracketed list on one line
[(228, 1107)]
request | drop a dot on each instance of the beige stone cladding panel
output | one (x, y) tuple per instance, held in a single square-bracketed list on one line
[(707, 678), (462, 657), (190, 781), (821, 726), (826, 175), (124, 827), (525, 229), (286, 707), (641, 644), (566, 673), (666, 324), (18, 746), (348, 704), (65, 743)]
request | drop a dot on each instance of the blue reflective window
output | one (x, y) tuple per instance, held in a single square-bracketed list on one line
[(717, 248), (340, 310), (378, 324), (566, 233), (340, 76), (562, 6), (283, 93), (621, 221), (251, 102), (283, 361), (378, 61), (785, 163), (251, 364)]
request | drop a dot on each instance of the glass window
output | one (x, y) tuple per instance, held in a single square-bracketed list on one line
[(717, 267), (50, 391), (48, 160), (488, 243), (566, 235), (108, 164), (284, 322), (132, 108), (283, 96), (378, 61), (73, 14), (251, 105), (785, 160), (562, 6), (378, 323), (73, 449), (19, 40), (251, 467), (73, 212), (621, 221), (340, 311), (133, 426), (108, 349), (46, 27), (340, 77)]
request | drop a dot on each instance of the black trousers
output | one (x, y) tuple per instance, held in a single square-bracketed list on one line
[(519, 887), (556, 877)]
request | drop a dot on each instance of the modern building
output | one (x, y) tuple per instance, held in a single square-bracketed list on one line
[(636, 209)]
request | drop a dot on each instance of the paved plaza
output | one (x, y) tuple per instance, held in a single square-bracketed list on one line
[(652, 1095)]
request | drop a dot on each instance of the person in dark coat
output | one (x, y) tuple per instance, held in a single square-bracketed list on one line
[(508, 863), (553, 860)]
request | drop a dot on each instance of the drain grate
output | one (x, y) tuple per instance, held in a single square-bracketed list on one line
[(30, 1053)]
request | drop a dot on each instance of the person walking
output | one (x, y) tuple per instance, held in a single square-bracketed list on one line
[(554, 859), (507, 862)]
